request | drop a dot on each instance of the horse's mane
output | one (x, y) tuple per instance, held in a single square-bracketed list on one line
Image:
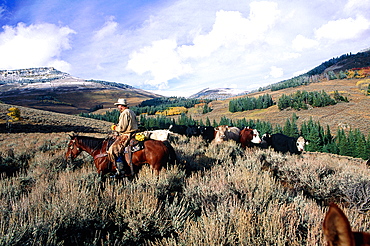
[(91, 142)]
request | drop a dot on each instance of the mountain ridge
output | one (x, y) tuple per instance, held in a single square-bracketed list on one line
[(49, 89)]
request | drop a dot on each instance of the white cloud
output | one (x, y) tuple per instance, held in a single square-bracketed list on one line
[(213, 54), (109, 29), (229, 29), (59, 65), (357, 5), (343, 28), (161, 60), (276, 72), (33, 46), (264, 14), (300, 43), (232, 31)]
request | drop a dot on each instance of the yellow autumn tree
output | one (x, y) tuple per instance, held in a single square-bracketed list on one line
[(172, 111), (14, 113)]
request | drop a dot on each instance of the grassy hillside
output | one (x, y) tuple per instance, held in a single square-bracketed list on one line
[(41, 121), (355, 114)]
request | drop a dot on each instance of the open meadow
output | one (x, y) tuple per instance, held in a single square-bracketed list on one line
[(214, 195)]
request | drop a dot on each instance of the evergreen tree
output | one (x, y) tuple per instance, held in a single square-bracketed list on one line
[(214, 124), (277, 129), (206, 108), (367, 151), (328, 138), (225, 121), (351, 141), (232, 106), (329, 146), (314, 138), (287, 128), (208, 122), (360, 151), (342, 142), (201, 122), (241, 123), (304, 130)]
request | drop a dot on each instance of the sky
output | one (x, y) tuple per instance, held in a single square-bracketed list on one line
[(180, 47)]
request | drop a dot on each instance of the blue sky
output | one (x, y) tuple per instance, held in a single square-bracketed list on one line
[(177, 48)]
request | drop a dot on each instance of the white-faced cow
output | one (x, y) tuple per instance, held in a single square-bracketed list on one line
[(266, 141), (248, 137), (284, 144), (225, 133)]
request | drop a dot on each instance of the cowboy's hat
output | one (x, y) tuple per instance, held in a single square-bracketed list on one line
[(121, 101)]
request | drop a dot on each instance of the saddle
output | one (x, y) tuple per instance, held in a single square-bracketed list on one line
[(134, 145)]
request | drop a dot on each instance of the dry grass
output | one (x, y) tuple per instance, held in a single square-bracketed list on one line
[(214, 196)]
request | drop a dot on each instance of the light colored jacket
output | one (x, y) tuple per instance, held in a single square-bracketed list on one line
[(127, 122)]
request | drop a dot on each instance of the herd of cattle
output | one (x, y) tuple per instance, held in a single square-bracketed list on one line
[(247, 137)]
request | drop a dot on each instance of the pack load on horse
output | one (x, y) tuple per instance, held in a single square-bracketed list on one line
[(153, 152)]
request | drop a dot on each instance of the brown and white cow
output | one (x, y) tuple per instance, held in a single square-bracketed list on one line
[(225, 133), (248, 137)]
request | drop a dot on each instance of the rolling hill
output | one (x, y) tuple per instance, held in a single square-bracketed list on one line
[(354, 114), (52, 90)]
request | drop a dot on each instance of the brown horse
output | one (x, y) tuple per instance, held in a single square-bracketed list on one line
[(337, 230), (153, 152)]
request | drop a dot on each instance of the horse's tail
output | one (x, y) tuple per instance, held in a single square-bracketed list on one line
[(172, 154)]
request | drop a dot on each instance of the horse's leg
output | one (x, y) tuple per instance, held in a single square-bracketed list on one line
[(157, 155)]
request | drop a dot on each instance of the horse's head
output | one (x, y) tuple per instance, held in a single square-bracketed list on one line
[(73, 149)]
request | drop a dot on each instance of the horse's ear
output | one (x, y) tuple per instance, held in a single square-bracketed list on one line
[(72, 135), (336, 227)]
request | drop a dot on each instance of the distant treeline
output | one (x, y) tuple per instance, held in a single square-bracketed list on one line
[(152, 106), (250, 103), (110, 116), (301, 100), (298, 100)]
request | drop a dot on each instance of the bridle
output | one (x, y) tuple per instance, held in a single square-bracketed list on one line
[(72, 147)]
